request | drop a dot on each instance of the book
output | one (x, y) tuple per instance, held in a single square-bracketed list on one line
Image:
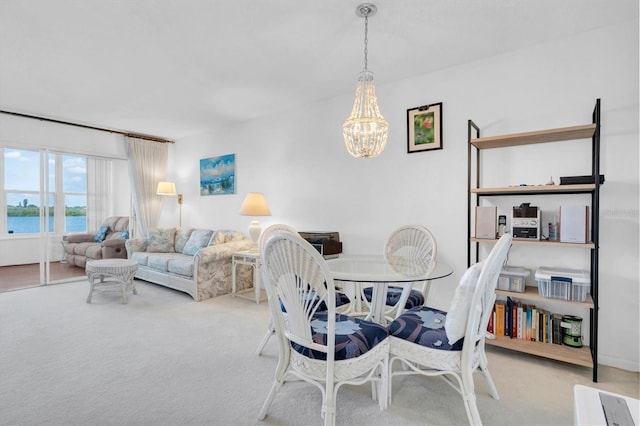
[(500, 308), (508, 317), (527, 333), (534, 324), (542, 326), (520, 319), (514, 320), (490, 327)]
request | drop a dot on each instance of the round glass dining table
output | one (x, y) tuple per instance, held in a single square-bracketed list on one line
[(377, 271)]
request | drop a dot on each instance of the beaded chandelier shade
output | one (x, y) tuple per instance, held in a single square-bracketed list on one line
[(365, 131)]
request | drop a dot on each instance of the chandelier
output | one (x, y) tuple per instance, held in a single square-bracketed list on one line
[(365, 131)]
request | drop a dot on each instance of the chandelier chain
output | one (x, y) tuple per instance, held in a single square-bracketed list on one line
[(366, 39)]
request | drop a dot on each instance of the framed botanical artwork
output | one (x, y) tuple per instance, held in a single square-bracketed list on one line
[(218, 175), (424, 128)]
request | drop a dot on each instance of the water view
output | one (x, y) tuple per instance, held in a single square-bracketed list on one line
[(31, 224)]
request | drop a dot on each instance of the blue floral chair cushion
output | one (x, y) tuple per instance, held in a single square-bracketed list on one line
[(424, 326), (341, 299), (354, 336), (101, 234), (416, 298)]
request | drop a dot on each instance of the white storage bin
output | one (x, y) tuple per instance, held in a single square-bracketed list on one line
[(563, 283), (513, 278)]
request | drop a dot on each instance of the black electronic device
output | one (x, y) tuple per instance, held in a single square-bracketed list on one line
[(579, 180), (525, 222), (327, 243)]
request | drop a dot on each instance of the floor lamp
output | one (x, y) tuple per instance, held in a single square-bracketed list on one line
[(169, 189)]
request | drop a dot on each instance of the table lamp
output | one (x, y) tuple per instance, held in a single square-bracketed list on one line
[(254, 205)]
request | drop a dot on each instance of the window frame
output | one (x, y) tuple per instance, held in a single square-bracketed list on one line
[(57, 195)]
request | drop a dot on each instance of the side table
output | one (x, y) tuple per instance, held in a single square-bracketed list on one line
[(248, 258), (112, 273)]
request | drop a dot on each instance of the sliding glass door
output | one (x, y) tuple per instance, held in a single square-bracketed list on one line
[(44, 197)]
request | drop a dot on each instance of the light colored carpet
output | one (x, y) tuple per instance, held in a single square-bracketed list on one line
[(164, 359)]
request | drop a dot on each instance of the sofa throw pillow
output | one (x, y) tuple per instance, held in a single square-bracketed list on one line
[(456, 322), (101, 234), (160, 240), (124, 234), (197, 240), (182, 236)]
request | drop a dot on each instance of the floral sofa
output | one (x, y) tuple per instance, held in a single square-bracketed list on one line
[(107, 243), (196, 261)]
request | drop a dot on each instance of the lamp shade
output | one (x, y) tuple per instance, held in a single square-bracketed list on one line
[(254, 204), (166, 188)]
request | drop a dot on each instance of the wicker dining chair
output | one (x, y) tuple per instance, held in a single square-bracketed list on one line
[(451, 344), (320, 347), (343, 300), (410, 250), (266, 234)]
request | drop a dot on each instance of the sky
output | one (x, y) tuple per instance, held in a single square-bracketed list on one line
[(22, 173)]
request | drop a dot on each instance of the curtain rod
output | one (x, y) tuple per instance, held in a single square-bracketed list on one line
[(84, 126)]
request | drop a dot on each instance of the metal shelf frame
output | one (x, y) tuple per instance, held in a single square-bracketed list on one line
[(474, 193)]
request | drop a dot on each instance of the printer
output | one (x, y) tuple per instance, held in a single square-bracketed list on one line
[(327, 243)]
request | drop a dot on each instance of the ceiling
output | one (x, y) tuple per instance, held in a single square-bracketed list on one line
[(171, 68)]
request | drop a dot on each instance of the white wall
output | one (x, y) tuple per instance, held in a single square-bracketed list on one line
[(299, 161), (26, 133)]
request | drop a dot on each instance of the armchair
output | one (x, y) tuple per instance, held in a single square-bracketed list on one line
[(81, 248)]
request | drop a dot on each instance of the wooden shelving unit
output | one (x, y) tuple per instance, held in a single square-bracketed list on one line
[(540, 136), (585, 356), (579, 356), (535, 189), (541, 243), (531, 293)]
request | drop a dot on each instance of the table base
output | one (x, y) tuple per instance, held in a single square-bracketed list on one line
[(109, 282)]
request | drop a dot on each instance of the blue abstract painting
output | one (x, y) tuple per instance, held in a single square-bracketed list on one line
[(218, 175)]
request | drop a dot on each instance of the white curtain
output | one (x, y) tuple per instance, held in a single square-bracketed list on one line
[(99, 192), (147, 167)]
